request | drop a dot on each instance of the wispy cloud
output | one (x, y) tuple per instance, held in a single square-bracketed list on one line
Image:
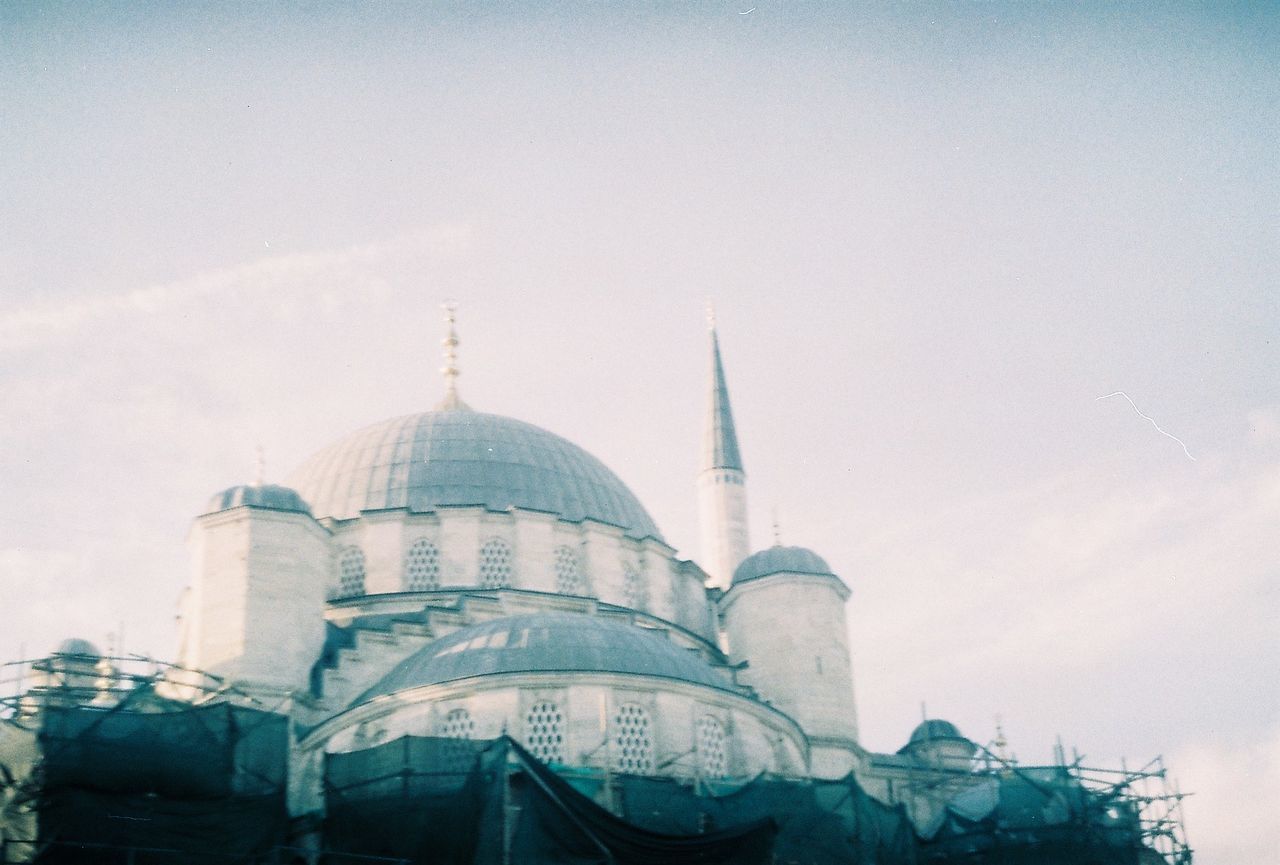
[(31, 326)]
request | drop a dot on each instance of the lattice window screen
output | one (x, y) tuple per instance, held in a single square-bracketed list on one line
[(711, 747), (350, 572), (544, 732), (422, 567), (495, 564), (569, 579), (633, 740)]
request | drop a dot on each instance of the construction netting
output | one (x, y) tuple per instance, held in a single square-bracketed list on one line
[(167, 784), (456, 801), (1034, 817), (196, 784)]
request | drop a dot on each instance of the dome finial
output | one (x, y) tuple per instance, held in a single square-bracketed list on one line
[(451, 400), (777, 528), (259, 465)]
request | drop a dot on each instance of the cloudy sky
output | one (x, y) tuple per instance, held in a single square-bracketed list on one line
[(935, 235)]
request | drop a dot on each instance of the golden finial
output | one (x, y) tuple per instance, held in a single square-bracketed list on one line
[(777, 528), (711, 315), (450, 369), (260, 466)]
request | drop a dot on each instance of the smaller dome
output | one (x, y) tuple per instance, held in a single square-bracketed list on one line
[(77, 646), (933, 730), (267, 496), (780, 560)]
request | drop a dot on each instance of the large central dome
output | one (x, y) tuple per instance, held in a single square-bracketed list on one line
[(460, 457)]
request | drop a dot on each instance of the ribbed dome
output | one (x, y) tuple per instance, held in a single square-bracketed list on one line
[(269, 496), (547, 642), (451, 458), (779, 560)]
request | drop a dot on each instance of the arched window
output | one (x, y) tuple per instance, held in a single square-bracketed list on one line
[(457, 754), (422, 567), (495, 564), (711, 747), (457, 724), (569, 579), (634, 587), (350, 572), (632, 740), (544, 732)]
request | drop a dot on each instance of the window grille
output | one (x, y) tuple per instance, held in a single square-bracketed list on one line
[(350, 572), (569, 572), (634, 588), (495, 564), (711, 747), (544, 732), (422, 567), (458, 724), (632, 740)]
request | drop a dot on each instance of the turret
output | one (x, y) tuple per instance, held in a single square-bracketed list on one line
[(722, 492), (784, 615), (254, 614)]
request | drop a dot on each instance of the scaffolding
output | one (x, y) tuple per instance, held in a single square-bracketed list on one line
[(153, 741), (1146, 798)]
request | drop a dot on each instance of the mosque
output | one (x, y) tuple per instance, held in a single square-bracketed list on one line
[(465, 576)]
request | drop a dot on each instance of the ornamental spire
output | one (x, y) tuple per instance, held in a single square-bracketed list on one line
[(450, 371), (720, 442)]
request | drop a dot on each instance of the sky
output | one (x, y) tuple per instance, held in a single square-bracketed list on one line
[(938, 238)]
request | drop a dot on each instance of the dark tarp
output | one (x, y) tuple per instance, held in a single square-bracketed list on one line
[(819, 822), (442, 801), (202, 784), (570, 827), (196, 753), (84, 826), (413, 799), (417, 799)]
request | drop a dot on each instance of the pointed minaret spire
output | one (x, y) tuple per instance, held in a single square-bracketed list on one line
[(720, 442), (722, 493), (450, 371)]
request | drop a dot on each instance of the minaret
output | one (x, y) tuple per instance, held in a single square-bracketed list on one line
[(450, 371), (722, 492)]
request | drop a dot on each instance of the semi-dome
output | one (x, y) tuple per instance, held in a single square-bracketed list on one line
[(269, 496), (780, 560), (453, 458), (547, 642)]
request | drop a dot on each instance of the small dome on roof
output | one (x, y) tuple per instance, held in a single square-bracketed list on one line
[(547, 643), (934, 729), (268, 496), (77, 646), (780, 560)]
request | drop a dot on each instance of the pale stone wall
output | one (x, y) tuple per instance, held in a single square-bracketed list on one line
[(791, 630), (255, 611), (672, 589)]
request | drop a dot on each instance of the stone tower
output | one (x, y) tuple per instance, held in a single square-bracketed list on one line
[(722, 491)]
